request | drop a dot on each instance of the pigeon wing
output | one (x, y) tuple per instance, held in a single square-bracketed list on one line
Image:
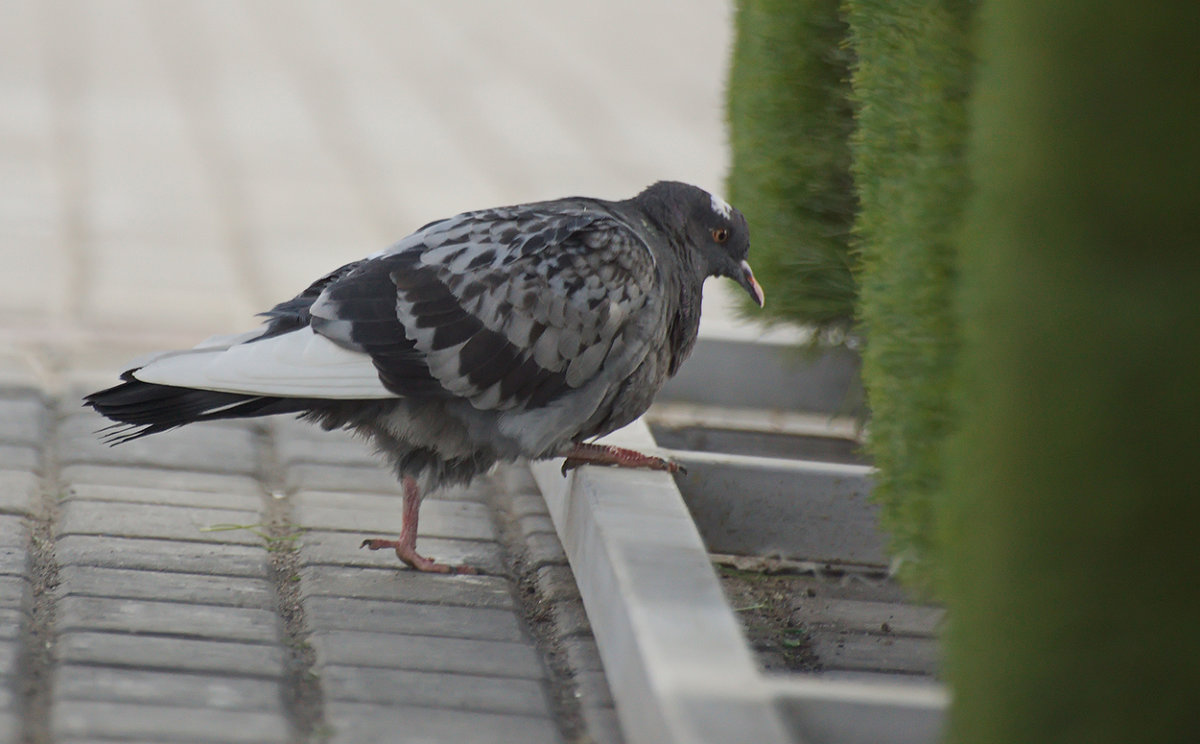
[(508, 308)]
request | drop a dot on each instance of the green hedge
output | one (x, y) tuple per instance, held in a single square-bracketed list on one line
[(789, 122), (910, 90), (1052, 281), (798, 164), (1074, 553)]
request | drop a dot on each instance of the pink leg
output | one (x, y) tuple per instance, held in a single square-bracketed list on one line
[(606, 454), (406, 545)]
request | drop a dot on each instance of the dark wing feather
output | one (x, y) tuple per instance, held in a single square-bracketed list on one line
[(294, 313), (366, 321), (508, 307)]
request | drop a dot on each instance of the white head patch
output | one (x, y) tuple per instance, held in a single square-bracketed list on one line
[(721, 207)]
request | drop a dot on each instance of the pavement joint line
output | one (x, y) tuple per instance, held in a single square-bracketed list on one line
[(573, 711), (165, 570), (167, 635), (36, 656), (429, 602), (140, 598), (188, 507), (303, 693), (439, 672), (172, 670), (407, 634)]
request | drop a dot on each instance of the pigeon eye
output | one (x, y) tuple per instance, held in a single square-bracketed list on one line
[(720, 234)]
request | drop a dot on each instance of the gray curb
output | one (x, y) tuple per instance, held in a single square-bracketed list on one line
[(674, 654), (675, 659)]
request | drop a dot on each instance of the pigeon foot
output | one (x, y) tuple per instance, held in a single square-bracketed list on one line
[(409, 555), (606, 454)]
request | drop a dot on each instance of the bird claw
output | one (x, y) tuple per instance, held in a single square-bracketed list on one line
[(616, 457), (415, 560)]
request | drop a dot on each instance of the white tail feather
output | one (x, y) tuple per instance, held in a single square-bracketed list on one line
[(300, 364)]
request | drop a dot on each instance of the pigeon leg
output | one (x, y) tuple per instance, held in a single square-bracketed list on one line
[(606, 454), (406, 545)]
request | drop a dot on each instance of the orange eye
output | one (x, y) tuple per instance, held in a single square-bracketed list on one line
[(720, 234)]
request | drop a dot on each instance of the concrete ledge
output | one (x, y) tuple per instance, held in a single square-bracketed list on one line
[(673, 652), (674, 655)]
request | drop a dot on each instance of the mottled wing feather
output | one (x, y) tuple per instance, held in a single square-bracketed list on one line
[(293, 314), (509, 308), (365, 320)]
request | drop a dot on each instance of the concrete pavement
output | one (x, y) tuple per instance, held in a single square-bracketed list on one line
[(166, 171), (208, 587)]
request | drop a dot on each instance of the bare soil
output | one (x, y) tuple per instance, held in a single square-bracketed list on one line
[(763, 602)]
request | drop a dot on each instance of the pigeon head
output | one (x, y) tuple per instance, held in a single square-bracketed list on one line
[(708, 225)]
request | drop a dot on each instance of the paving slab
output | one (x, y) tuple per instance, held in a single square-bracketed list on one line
[(177, 619), (202, 448), (381, 513), (8, 725), (304, 443), (8, 659), (340, 613), (170, 653), (12, 592), (401, 584), (19, 490), (154, 478), (151, 687), (10, 623), (876, 652), (868, 616), (22, 370), (14, 542), (556, 583), (470, 656), (161, 521), (525, 499), (435, 690), (172, 586), (229, 497), (545, 550), (128, 721), (570, 619), (26, 458), (359, 723), (213, 558), (318, 547), (341, 478), (22, 419)]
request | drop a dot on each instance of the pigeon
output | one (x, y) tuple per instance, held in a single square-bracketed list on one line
[(525, 331)]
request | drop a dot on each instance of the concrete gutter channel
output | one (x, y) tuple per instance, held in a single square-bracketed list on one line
[(677, 662)]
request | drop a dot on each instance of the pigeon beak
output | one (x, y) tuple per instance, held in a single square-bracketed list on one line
[(750, 284)]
